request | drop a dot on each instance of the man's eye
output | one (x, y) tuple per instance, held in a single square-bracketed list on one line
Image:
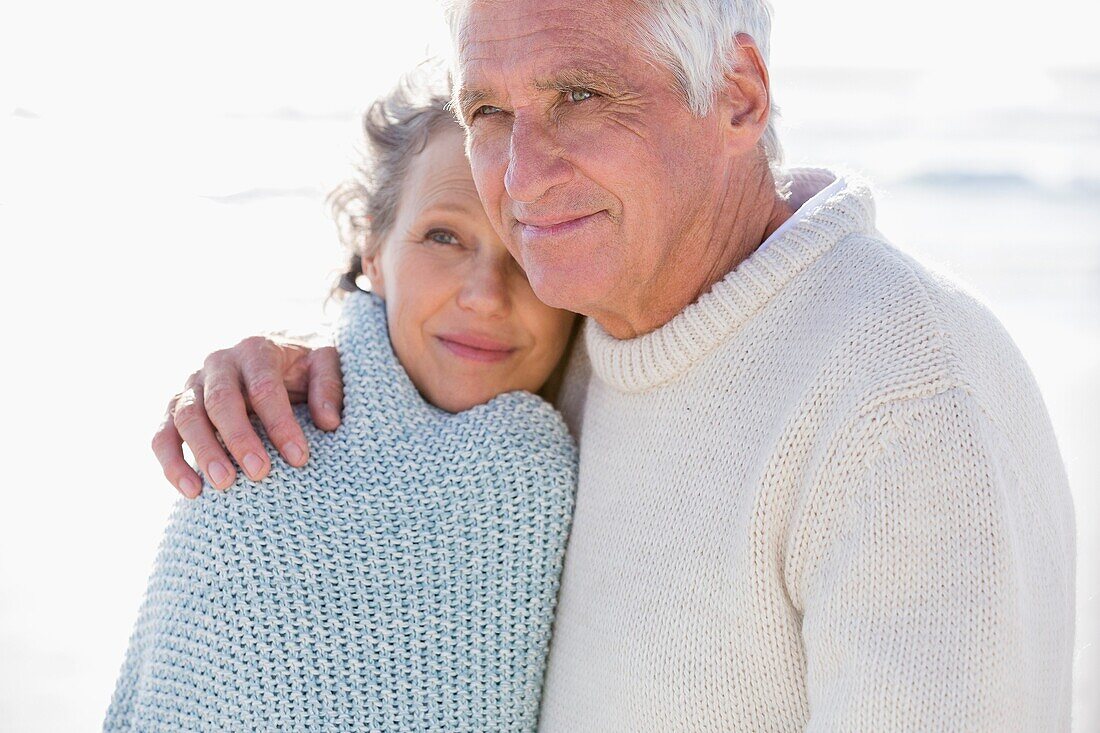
[(441, 236), (485, 110), (579, 95)]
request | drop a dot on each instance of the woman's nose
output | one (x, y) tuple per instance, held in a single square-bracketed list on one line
[(485, 290)]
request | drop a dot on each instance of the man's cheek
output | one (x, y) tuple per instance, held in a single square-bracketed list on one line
[(488, 162), (512, 243)]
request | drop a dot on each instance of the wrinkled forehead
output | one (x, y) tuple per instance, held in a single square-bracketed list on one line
[(470, 16), (534, 38)]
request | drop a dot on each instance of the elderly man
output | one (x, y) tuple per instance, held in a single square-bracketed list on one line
[(818, 487)]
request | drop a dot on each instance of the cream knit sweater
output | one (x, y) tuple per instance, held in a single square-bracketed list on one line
[(826, 497)]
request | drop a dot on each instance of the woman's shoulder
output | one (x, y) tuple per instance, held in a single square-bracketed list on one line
[(521, 419), (388, 430), (514, 433)]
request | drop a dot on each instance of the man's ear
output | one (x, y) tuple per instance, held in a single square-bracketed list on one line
[(746, 99), (372, 268)]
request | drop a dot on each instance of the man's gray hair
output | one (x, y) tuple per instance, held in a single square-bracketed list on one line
[(697, 41)]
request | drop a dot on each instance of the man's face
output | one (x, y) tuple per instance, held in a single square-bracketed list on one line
[(588, 161)]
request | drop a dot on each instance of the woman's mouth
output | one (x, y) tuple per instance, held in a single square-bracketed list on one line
[(475, 347)]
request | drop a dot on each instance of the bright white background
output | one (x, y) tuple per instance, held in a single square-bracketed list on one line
[(162, 175)]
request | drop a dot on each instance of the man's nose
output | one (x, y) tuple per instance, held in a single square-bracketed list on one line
[(485, 288), (535, 164)]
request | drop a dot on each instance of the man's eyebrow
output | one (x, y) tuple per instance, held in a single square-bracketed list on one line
[(602, 80), (466, 100)]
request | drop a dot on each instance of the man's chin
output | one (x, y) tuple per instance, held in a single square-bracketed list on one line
[(568, 290)]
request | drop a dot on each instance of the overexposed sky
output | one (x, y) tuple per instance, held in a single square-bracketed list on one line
[(195, 57)]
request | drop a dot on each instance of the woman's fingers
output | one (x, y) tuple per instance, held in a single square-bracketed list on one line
[(168, 448), (326, 387), (264, 367)]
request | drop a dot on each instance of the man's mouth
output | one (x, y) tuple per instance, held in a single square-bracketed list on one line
[(554, 226)]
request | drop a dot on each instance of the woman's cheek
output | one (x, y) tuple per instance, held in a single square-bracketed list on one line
[(398, 326)]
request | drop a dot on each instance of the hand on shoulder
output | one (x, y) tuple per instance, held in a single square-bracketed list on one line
[(261, 374)]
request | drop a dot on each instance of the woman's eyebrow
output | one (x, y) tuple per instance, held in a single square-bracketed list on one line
[(453, 208)]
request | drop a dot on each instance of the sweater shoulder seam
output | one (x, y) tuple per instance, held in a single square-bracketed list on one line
[(950, 373), (844, 433)]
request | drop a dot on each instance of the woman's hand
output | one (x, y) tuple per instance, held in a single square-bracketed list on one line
[(262, 374)]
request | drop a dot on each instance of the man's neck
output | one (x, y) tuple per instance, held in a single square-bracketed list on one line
[(751, 210)]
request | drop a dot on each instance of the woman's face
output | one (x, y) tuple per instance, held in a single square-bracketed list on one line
[(462, 317)]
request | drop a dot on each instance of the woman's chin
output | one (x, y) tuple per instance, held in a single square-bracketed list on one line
[(455, 398)]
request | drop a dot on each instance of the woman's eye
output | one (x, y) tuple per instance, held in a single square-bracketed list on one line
[(442, 236), (579, 95)]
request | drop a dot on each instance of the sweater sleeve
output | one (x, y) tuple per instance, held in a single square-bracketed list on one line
[(936, 580)]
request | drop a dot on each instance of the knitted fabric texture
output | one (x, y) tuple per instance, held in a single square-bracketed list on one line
[(404, 580), (824, 497)]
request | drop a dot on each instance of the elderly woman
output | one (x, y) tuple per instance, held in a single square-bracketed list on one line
[(406, 578)]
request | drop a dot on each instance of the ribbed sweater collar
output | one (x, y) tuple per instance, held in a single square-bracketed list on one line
[(663, 355)]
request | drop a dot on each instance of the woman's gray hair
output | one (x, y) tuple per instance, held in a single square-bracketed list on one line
[(697, 41), (396, 127)]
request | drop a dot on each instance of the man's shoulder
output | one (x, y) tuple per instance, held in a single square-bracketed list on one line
[(915, 316), (933, 301)]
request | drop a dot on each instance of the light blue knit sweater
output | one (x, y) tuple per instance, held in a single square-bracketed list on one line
[(404, 580)]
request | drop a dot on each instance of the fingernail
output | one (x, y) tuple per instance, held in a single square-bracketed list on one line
[(253, 464), (330, 409), (294, 453), (189, 487), (219, 474)]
